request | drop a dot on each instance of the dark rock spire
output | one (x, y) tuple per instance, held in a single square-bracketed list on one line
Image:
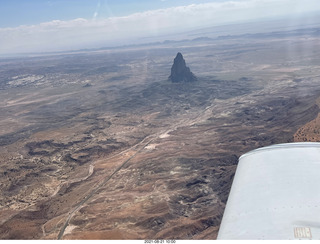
[(180, 72)]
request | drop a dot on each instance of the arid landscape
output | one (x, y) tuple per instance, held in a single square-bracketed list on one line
[(100, 144)]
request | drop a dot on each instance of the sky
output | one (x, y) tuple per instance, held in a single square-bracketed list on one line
[(57, 25)]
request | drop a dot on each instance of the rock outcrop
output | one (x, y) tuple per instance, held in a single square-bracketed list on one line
[(180, 72)]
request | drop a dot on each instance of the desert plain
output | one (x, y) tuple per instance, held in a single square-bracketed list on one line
[(100, 144)]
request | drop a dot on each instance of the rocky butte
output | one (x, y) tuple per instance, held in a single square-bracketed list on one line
[(180, 72)]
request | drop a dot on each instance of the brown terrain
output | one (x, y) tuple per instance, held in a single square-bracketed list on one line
[(310, 132), (101, 145)]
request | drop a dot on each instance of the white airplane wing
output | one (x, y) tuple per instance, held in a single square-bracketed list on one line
[(275, 194)]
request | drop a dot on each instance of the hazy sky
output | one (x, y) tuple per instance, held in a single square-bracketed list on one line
[(53, 25)]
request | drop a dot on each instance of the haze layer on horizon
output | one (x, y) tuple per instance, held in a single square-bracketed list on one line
[(48, 26)]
